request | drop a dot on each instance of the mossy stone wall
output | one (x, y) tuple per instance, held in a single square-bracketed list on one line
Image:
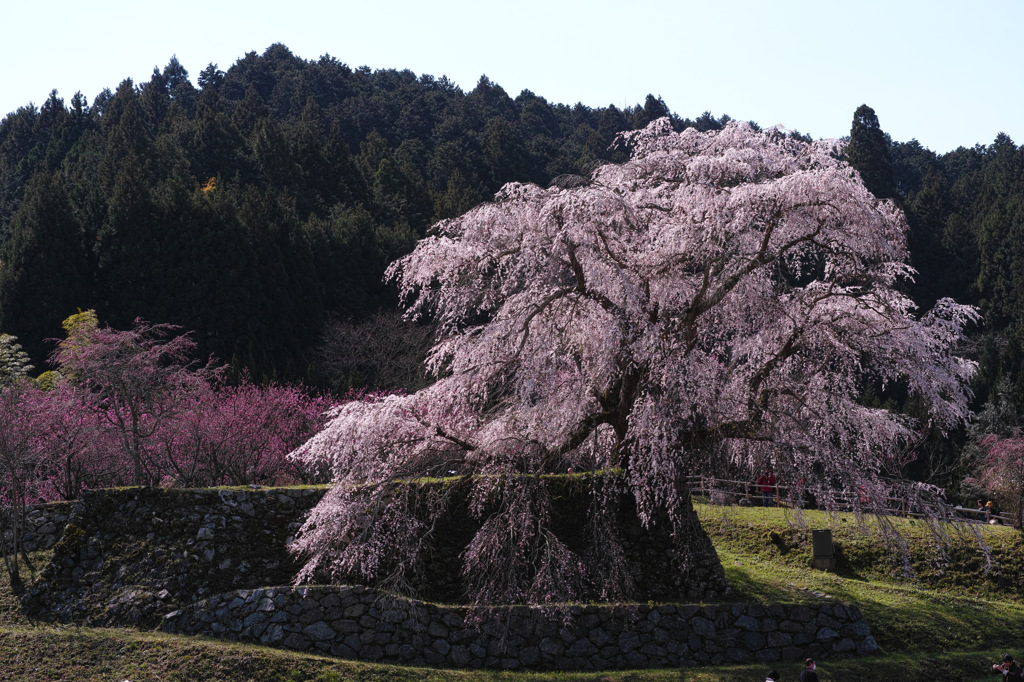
[(128, 556), (363, 624)]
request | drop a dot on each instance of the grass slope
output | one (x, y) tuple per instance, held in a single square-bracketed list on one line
[(948, 618)]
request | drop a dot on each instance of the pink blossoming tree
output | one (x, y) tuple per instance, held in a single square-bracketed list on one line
[(20, 464), (720, 296), (136, 380), (1001, 474), (75, 448), (239, 435)]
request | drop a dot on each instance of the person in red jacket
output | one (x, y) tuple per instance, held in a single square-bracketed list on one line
[(766, 485)]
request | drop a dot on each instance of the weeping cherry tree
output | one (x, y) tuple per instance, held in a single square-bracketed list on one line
[(722, 296)]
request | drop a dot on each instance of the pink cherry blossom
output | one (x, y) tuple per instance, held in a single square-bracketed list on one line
[(721, 296)]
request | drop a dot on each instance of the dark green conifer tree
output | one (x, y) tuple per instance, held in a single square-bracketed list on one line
[(868, 152), (46, 269)]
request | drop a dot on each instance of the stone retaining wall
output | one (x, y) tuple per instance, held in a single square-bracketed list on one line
[(361, 623), (129, 556), (44, 524)]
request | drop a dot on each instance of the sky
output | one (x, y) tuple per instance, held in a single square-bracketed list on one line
[(948, 74)]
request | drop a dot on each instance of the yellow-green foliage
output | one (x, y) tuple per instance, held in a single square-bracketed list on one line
[(48, 380), (80, 323), (73, 535)]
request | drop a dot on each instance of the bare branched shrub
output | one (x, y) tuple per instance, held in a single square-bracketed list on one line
[(382, 352)]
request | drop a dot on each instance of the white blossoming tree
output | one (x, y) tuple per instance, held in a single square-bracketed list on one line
[(722, 295)]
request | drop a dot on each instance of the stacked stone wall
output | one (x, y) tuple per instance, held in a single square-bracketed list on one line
[(363, 624), (129, 556), (44, 525), (198, 561)]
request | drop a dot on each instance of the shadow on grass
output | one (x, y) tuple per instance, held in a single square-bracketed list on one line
[(903, 619)]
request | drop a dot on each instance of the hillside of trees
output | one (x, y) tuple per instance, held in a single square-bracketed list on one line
[(260, 205), (263, 203)]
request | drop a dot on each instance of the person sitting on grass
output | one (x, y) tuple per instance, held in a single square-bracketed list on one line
[(773, 676), (1010, 671), (808, 674)]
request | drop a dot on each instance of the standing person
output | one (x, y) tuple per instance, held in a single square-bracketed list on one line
[(1010, 671), (808, 674), (990, 510), (773, 676), (766, 484)]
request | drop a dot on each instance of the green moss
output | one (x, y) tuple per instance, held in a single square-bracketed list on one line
[(72, 537)]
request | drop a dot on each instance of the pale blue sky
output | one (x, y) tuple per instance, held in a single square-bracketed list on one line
[(947, 73)]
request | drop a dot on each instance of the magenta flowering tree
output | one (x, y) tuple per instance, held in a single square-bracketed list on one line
[(74, 447), (262, 425), (131, 407), (237, 435), (20, 470), (720, 296), (1001, 473), (137, 380)]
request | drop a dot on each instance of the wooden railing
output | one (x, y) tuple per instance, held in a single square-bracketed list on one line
[(725, 491)]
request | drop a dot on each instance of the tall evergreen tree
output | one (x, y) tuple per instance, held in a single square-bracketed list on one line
[(46, 268), (868, 152)]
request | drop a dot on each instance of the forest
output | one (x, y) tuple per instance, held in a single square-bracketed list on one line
[(260, 206), (264, 203)]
